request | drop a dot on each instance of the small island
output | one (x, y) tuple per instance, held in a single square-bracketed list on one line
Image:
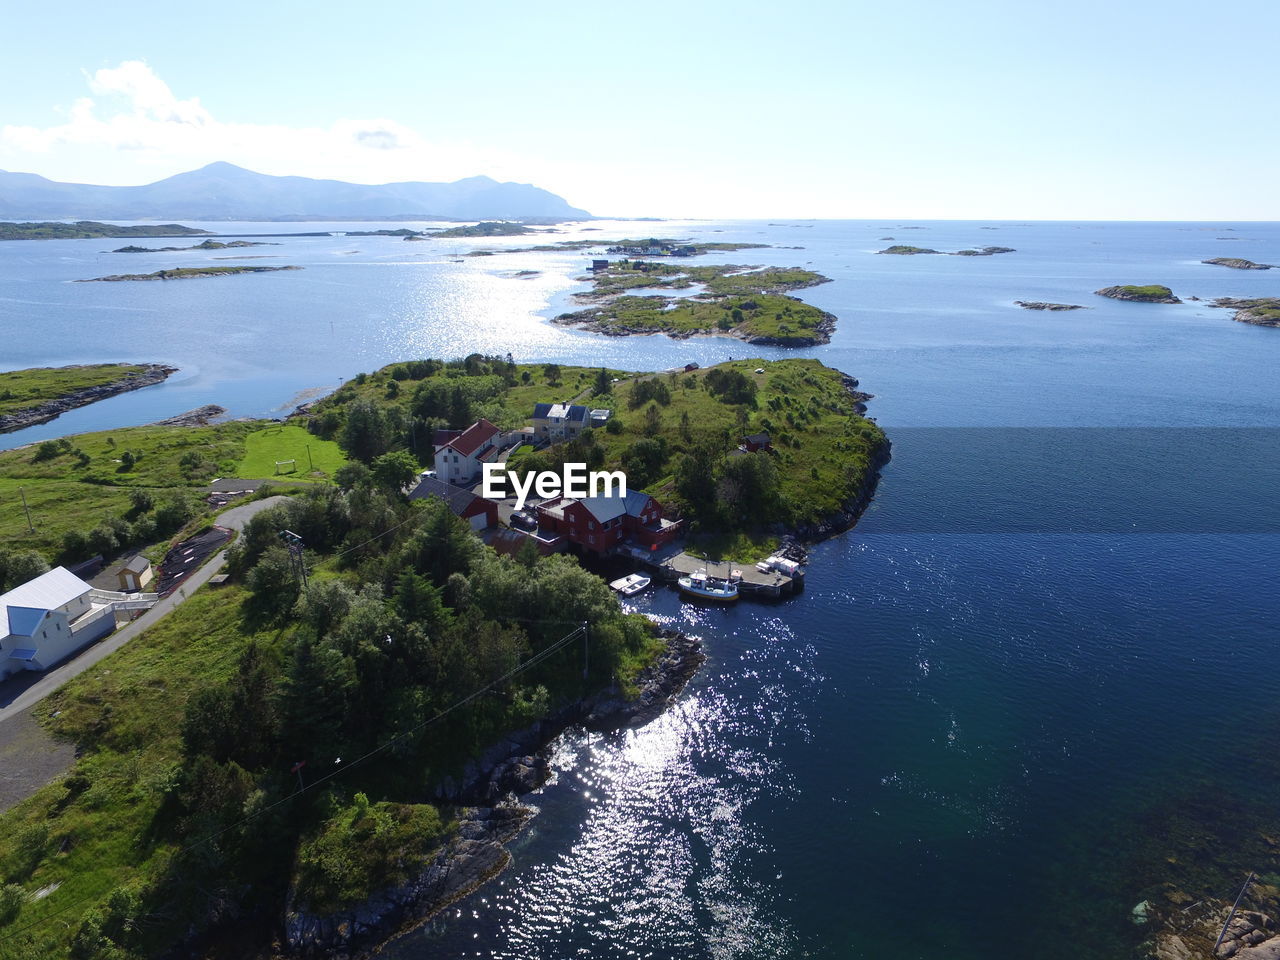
[(91, 229), (39, 394), (1236, 263), (185, 273), (651, 247), (736, 301), (206, 245), (1043, 305), (487, 228), (1151, 293), (905, 250), (1260, 311)]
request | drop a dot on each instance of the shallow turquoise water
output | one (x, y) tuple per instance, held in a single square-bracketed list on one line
[(965, 737)]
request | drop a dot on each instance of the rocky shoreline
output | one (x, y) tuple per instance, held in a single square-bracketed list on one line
[(1043, 305), (489, 815), (1149, 294), (199, 417), (1237, 263), (847, 516), (1261, 312), (586, 320), (152, 374)]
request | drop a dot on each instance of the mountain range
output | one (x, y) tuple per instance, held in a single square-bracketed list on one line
[(223, 191)]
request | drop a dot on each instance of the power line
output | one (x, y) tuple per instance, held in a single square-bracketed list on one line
[(333, 774)]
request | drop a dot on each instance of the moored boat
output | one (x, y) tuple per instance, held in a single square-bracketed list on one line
[(704, 587), (629, 586)]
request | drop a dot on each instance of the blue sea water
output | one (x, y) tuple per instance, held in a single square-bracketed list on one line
[(975, 733)]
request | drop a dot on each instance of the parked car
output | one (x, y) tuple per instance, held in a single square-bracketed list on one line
[(524, 520)]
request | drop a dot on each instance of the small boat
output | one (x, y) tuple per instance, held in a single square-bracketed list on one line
[(700, 585), (629, 586)]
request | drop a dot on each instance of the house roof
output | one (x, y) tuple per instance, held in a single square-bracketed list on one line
[(761, 438), (48, 591), (459, 499), (473, 438), (137, 564), (605, 509), (560, 411)]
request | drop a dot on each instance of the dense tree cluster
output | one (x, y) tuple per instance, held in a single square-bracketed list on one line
[(406, 614)]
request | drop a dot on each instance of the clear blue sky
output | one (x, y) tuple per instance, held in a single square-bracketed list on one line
[(1121, 110)]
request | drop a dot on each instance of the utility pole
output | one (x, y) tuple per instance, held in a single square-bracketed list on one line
[(310, 465), (23, 493), (586, 654), (295, 546)]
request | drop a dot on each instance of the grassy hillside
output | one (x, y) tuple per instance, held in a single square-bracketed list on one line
[(75, 484), (86, 229)]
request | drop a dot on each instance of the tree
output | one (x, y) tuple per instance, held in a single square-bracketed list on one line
[(602, 384), (365, 434), (552, 372), (18, 568), (394, 471), (652, 421), (352, 475), (272, 583)]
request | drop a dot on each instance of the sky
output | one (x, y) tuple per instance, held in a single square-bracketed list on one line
[(984, 109)]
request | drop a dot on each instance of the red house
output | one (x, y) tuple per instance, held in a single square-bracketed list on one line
[(757, 441), (601, 523)]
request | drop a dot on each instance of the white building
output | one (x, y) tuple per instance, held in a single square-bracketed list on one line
[(47, 619), (459, 457)]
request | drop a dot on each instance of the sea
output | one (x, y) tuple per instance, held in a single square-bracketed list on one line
[(1034, 687)]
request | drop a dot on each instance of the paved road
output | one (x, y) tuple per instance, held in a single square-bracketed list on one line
[(45, 683)]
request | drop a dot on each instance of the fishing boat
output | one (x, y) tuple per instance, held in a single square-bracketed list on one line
[(629, 586), (699, 584)]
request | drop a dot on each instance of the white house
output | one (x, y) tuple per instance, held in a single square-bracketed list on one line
[(458, 458), (47, 619)]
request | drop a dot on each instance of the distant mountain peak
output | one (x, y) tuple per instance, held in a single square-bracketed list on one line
[(225, 191)]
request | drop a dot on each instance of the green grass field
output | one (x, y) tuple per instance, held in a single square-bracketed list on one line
[(86, 480), (20, 389), (315, 459)]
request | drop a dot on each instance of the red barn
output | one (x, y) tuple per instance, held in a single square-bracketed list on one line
[(477, 511), (601, 523)]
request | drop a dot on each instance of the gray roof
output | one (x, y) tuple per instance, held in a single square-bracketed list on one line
[(137, 564), (562, 411), (605, 509), (458, 498)]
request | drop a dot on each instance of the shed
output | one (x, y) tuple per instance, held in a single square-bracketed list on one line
[(135, 574)]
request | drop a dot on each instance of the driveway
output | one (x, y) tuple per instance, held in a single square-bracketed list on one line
[(20, 692)]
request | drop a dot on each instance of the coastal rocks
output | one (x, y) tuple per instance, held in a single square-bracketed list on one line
[(1236, 263), (658, 685), (199, 417), (1042, 305), (152, 374), (1152, 293), (1261, 311), (1190, 933), (476, 854), (904, 250)]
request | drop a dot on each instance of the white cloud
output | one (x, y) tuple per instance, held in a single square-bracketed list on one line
[(134, 129)]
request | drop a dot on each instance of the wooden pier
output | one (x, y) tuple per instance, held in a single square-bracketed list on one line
[(670, 566)]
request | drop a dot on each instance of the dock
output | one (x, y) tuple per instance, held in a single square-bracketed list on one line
[(671, 565)]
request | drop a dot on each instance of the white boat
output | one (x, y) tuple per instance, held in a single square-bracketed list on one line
[(699, 584), (629, 586)]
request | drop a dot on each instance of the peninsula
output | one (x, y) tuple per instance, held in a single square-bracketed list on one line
[(206, 245), (39, 394), (186, 273), (651, 247), (256, 676), (488, 228), (89, 229), (746, 302), (1152, 293)]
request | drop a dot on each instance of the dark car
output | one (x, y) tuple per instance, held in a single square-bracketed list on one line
[(524, 520)]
